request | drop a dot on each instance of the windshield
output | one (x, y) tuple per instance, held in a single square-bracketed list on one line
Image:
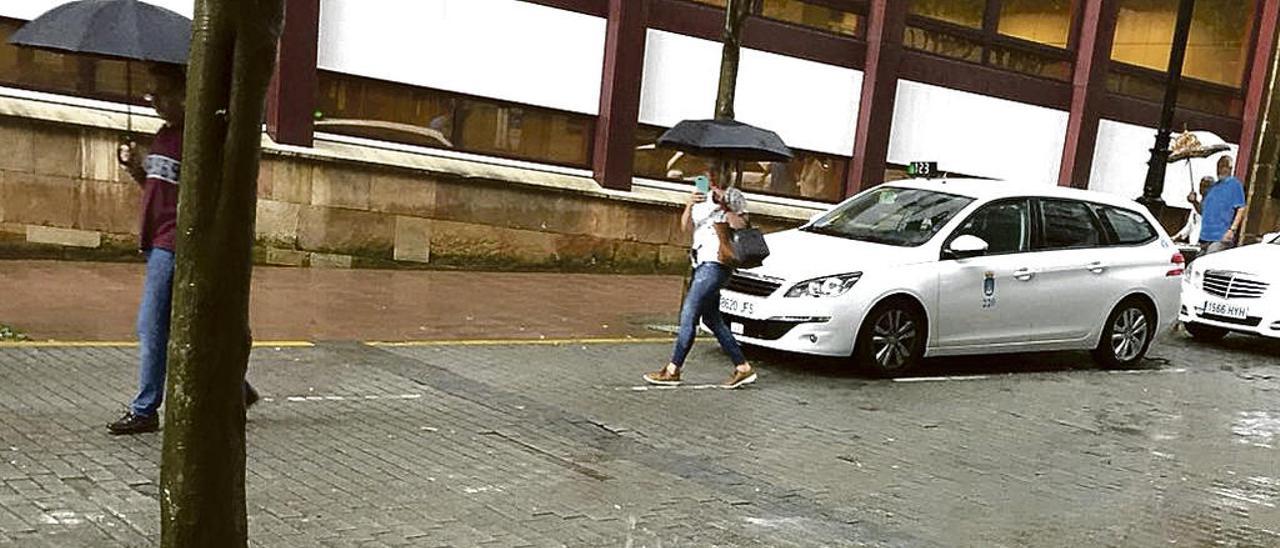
[(903, 217)]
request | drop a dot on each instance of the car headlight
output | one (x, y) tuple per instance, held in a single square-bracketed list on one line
[(830, 286)]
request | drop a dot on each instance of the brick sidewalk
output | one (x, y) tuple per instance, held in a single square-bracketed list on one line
[(542, 445), (72, 301)]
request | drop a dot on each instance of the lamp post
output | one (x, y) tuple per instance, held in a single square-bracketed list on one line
[(1153, 189)]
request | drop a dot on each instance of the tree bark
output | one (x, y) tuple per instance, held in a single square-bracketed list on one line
[(735, 15), (233, 52)]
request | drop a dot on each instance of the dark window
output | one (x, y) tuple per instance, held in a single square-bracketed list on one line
[(1005, 226), (813, 16), (1217, 48), (1068, 224), (1025, 36), (960, 12), (78, 75), (1043, 21), (389, 111), (1128, 227), (817, 16)]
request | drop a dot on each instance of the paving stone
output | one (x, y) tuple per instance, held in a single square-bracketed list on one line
[(543, 445)]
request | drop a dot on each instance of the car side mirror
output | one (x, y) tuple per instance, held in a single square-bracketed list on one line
[(966, 246)]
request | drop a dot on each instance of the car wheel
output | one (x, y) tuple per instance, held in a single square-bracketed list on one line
[(1127, 335), (1205, 333), (892, 338)]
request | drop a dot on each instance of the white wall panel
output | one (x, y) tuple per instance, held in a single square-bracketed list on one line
[(30, 9), (976, 134), (811, 105), (503, 49), (1120, 163)]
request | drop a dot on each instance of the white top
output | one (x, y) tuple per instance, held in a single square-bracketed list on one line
[(1191, 231), (704, 215)]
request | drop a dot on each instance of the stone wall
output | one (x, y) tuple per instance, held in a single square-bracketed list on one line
[(62, 195)]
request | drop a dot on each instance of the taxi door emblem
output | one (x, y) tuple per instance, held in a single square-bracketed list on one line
[(989, 290)]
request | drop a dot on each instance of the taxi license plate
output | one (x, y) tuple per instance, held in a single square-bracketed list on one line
[(1226, 310), (737, 307)]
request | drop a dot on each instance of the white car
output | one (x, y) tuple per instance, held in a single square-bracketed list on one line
[(920, 268), (1234, 290)]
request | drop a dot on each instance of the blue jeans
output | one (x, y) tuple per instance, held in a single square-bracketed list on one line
[(703, 302), (153, 333)]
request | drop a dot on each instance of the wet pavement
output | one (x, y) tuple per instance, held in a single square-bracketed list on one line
[(85, 301), (551, 445)]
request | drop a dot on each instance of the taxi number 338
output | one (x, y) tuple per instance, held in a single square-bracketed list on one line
[(734, 306)]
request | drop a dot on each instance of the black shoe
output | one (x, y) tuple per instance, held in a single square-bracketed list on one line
[(134, 424), (250, 396)]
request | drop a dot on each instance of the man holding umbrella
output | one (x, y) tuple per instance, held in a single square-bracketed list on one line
[(1222, 210), (158, 174), (161, 38)]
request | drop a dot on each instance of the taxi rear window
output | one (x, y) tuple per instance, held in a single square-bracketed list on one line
[(1127, 227)]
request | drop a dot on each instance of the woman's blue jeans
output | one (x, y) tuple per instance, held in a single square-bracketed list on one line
[(703, 303)]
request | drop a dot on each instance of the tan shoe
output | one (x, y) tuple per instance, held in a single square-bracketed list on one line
[(663, 377), (740, 378)]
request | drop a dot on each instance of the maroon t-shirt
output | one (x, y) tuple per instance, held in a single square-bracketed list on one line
[(160, 190)]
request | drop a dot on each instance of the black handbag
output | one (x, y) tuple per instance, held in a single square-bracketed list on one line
[(749, 248)]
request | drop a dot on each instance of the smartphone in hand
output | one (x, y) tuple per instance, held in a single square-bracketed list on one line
[(702, 183)]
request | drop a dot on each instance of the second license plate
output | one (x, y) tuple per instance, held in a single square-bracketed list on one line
[(1226, 310)]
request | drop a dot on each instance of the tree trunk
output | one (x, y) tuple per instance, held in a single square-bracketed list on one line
[(735, 15), (233, 52)]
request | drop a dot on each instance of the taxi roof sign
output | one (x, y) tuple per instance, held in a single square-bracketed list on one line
[(923, 170)]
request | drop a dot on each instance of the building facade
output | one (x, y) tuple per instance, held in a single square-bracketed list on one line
[(541, 108)]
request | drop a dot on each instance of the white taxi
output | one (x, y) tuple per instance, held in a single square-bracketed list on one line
[(920, 268), (1234, 290)]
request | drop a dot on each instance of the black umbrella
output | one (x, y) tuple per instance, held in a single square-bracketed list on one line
[(726, 140), (118, 29)]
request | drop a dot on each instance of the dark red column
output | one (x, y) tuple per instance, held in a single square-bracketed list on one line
[(1088, 90), (1256, 80), (291, 101), (613, 153), (886, 21)]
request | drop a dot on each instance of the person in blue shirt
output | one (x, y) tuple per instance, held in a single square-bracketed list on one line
[(1222, 211)]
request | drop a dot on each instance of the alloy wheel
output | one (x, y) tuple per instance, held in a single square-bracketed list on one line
[(1129, 334), (892, 339)]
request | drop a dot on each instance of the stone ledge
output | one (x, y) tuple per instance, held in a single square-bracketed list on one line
[(328, 260), (63, 236)]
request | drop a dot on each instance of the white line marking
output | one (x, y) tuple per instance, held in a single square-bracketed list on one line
[(645, 388), (301, 399), (1145, 371), (942, 379)]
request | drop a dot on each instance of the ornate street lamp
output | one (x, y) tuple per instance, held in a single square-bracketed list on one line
[(1153, 189)]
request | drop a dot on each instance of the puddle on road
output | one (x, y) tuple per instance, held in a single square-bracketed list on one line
[(1257, 428), (1256, 490)]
